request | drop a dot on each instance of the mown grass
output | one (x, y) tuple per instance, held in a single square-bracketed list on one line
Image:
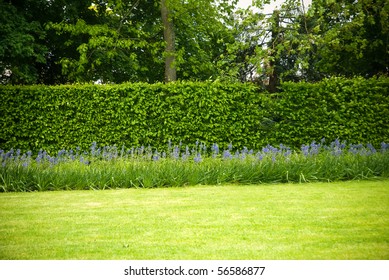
[(343, 220)]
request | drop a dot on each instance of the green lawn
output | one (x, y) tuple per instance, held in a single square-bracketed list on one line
[(346, 220)]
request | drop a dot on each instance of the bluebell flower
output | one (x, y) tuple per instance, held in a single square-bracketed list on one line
[(273, 149), (242, 156), (156, 156), (259, 156), (287, 153), (39, 157), (9, 154), (198, 158), (176, 153), (305, 149), (184, 157), (357, 149), (187, 152), (215, 148), (52, 160), (227, 154), (315, 148), (337, 151), (384, 146), (371, 148), (141, 150), (61, 153)]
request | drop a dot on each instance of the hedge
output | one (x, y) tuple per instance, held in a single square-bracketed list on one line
[(69, 116), (354, 110)]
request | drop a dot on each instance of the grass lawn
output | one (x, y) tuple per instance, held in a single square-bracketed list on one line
[(346, 220)]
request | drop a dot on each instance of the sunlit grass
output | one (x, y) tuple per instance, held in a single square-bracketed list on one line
[(347, 220)]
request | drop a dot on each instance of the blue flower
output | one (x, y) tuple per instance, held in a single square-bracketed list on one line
[(61, 153), (227, 154), (176, 153), (371, 148), (215, 148), (287, 153), (198, 158), (305, 149)]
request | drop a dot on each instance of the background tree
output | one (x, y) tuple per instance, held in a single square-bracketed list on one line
[(127, 43), (21, 46), (330, 38), (65, 41), (351, 37), (169, 37)]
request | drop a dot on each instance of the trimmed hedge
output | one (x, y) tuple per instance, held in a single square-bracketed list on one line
[(67, 116), (52, 118), (354, 110)]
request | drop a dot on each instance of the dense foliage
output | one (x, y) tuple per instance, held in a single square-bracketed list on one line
[(350, 109), (53, 118), (57, 117), (57, 41)]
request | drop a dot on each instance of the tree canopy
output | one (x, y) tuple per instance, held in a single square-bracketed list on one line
[(115, 41)]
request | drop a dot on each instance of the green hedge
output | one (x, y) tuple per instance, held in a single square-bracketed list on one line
[(52, 118), (354, 110), (57, 117)]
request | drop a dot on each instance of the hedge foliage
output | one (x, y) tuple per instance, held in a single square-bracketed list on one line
[(355, 110), (67, 116)]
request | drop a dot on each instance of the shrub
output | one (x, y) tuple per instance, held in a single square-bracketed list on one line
[(68, 116), (355, 110)]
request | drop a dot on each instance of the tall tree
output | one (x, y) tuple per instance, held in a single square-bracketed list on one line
[(128, 44), (20, 47), (344, 37), (352, 37), (169, 37)]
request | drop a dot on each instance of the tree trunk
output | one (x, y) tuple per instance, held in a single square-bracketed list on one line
[(169, 37), (273, 76)]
